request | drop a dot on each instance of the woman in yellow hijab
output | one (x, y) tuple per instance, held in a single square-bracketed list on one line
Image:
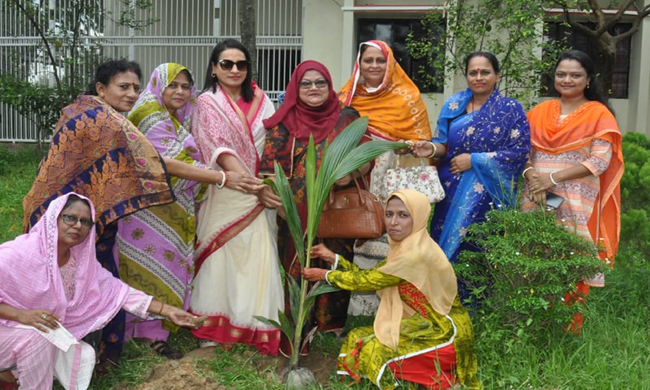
[(421, 334)]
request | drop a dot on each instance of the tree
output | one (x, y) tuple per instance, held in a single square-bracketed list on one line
[(510, 29), (602, 23), (63, 28), (247, 23)]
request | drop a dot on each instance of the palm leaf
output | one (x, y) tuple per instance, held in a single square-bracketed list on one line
[(311, 190), (283, 189), (294, 297)]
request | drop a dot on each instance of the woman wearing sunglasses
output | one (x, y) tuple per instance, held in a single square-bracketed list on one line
[(237, 275), (311, 108)]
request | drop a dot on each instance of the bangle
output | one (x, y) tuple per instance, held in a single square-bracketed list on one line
[(523, 174), (224, 179), (435, 150), (550, 176), (162, 306)]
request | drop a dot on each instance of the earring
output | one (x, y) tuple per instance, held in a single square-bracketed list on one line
[(214, 77), (588, 86)]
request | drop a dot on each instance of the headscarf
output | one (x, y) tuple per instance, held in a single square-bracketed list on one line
[(153, 119), (30, 277), (590, 121), (395, 109), (418, 260), (300, 119)]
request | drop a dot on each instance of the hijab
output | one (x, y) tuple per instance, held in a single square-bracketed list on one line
[(30, 277), (300, 119), (418, 260), (395, 109), (165, 131)]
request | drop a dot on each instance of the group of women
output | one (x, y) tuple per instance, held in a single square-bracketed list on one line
[(169, 200)]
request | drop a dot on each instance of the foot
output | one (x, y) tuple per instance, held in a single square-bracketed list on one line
[(163, 349), (207, 343)]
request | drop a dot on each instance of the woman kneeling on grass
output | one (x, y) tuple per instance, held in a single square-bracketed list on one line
[(422, 334), (53, 292)]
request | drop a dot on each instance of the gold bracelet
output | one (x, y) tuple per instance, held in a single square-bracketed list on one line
[(435, 150), (162, 306)]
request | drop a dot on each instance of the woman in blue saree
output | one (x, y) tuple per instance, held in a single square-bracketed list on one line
[(485, 139)]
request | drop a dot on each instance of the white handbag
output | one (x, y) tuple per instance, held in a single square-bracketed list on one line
[(422, 178)]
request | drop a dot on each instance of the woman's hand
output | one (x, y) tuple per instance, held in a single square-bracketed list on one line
[(539, 198), (541, 183), (324, 253), (422, 149), (268, 198), (40, 319), (241, 181), (179, 316), (460, 163), (314, 274)]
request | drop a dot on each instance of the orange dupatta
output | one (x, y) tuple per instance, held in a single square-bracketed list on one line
[(590, 121), (396, 109)]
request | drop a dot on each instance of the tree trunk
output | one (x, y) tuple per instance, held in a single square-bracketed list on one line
[(247, 31)]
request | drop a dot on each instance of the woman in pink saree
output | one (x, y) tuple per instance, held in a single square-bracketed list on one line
[(53, 292), (237, 273)]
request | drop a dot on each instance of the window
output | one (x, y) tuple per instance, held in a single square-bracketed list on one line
[(394, 33), (580, 41)]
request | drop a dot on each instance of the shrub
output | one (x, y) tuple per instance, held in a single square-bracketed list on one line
[(527, 265), (635, 194)]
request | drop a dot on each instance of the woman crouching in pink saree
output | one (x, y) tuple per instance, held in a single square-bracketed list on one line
[(53, 292)]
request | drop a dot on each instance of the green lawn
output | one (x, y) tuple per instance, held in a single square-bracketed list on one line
[(612, 353)]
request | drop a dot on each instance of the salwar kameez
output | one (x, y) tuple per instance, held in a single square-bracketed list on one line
[(363, 355)]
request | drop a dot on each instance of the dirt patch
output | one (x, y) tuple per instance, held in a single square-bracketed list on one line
[(182, 374), (188, 372)]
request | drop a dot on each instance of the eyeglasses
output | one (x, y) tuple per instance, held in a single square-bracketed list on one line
[(318, 83), (227, 65), (71, 220)]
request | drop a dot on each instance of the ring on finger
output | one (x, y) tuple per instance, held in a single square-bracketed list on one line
[(44, 316)]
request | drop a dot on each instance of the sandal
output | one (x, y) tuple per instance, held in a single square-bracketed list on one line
[(163, 349)]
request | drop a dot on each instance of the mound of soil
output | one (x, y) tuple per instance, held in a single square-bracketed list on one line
[(184, 374)]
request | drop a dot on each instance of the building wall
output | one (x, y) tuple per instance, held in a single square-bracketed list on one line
[(330, 37)]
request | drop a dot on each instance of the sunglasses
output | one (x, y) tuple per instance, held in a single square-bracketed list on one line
[(71, 220), (242, 66)]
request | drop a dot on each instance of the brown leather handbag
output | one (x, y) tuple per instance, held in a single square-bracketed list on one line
[(351, 213)]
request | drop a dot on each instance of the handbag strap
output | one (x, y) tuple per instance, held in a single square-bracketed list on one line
[(362, 199)]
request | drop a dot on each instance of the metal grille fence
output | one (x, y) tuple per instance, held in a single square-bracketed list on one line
[(185, 32)]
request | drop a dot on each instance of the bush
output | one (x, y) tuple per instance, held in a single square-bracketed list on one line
[(635, 194), (527, 265)]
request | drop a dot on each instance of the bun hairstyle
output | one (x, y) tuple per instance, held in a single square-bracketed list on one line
[(211, 83), (593, 91), (109, 69)]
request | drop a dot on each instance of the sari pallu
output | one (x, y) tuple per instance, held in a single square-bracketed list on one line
[(395, 109), (98, 153), (237, 272), (497, 137), (156, 245)]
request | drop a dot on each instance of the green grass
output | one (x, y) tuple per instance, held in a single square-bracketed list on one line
[(15, 180), (612, 353)]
